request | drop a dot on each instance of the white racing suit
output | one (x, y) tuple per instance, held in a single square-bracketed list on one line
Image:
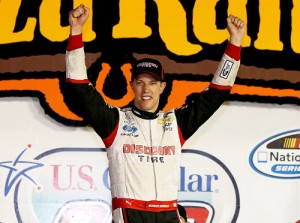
[(144, 148)]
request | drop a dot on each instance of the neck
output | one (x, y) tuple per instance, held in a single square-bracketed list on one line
[(144, 114)]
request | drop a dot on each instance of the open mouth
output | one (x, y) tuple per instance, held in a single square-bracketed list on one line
[(146, 98)]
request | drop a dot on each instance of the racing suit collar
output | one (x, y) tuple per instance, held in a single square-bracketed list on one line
[(144, 114)]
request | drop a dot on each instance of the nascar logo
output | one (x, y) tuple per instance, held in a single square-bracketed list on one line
[(278, 156)]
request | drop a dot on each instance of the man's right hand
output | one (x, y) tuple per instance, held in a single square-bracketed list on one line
[(77, 18)]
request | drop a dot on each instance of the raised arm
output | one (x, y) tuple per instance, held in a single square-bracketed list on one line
[(228, 67), (198, 110), (102, 117), (75, 57)]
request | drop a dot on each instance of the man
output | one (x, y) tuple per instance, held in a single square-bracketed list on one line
[(143, 143)]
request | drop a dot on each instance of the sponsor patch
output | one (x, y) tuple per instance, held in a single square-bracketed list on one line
[(226, 69)]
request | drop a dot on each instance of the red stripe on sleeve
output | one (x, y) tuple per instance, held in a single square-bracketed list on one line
[(182, 140), (109, 140), (75, 42), (220, 87), (233, 51), (85, 81)]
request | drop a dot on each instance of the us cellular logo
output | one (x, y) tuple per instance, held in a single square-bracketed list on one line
[(206, 184), (78, 187), (278, 156)]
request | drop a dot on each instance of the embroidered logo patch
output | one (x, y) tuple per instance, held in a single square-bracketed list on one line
[(226, 69)]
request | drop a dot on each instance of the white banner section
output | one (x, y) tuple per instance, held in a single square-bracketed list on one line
[(242, 166)]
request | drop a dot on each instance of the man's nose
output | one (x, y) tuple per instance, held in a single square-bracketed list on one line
[(146, 87)]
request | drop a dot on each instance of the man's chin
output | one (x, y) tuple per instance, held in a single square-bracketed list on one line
[(147, 108)]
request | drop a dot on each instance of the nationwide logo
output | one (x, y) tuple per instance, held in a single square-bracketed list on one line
[(278, 156)]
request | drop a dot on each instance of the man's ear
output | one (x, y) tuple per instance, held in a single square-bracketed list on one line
[(162, 86)]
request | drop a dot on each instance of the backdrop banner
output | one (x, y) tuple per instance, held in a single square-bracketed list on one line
[(242, 165)]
